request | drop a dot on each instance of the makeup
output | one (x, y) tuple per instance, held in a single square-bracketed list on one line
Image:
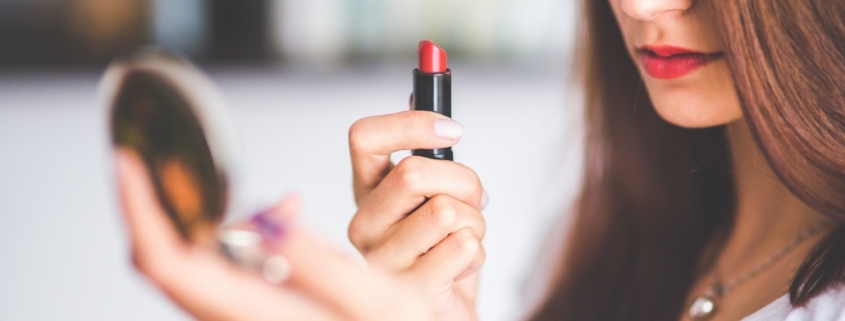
[(433, 90), (669, 62)]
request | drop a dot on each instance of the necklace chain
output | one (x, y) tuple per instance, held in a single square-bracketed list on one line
[(722, 288), (703, 307)]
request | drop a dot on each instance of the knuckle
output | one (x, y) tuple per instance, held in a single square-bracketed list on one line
[(481, 256), (475, 181), (409, 173), (355, 232), (444, 211), (473, 176), (482, 225), (466, 241), (357, 133), (469, 183)]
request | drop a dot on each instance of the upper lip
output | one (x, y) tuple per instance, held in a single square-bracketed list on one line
[(668, 51)]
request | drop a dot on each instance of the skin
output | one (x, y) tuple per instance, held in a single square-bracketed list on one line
[(324, 285), (768, 215)]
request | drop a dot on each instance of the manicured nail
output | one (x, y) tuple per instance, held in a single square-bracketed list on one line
[(449, 129), (241, 246), (239, 238), (276, 269), (268, 226), (484, 199)]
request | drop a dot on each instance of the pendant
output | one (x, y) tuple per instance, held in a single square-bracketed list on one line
[(702, 308)]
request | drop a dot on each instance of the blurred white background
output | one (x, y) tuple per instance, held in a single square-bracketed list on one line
[(62, 242), (324, 33)]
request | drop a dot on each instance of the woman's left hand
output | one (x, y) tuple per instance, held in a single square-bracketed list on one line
[(323, 285)]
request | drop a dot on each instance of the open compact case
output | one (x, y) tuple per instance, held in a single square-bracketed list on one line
[(167, 111)]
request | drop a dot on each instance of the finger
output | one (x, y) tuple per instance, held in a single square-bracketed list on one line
[(406, 187), (477, 263), (467, 287), (150, 231), (412, 237), (373, 139), (197, 280), (282, 213), (211, 289), (342, 284), (450, 259), (289, 207)]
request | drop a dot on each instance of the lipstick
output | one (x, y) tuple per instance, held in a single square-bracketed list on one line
[(668, 62), (433, 90)]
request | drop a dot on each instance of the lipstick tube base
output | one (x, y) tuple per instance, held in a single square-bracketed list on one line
[(433, 92)]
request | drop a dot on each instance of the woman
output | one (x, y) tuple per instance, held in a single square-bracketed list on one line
[(713, 188), (668, 211)]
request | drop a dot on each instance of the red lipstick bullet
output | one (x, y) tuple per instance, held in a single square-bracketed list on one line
[(432, 58), (433, 90)]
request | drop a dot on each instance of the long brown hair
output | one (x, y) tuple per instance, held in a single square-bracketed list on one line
[(655, 196)]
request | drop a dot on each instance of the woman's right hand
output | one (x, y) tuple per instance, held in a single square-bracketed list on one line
[(420, 219)]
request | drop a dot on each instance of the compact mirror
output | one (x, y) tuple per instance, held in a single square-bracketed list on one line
[(156, 109), (167, 111)]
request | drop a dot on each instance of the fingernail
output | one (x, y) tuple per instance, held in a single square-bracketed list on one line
[(241, 246), (276, 269), (268, 226), (484, 199), (447, 128)]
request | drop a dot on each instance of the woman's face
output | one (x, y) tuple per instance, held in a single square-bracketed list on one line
[(675, 46)]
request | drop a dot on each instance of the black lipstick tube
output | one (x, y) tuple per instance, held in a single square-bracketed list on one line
[(433, 92)]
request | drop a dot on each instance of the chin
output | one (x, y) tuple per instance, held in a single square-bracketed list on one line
[(696, 110), (705, 98), (695, 116)]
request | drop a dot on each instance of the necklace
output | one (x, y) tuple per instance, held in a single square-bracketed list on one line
[(704, 306)]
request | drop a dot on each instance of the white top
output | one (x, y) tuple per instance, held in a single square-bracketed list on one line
[(829, 306)]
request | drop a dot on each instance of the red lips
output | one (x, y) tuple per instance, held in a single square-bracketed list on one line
[(668, 62)]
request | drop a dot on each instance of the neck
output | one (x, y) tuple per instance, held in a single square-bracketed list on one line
[(768, 215)]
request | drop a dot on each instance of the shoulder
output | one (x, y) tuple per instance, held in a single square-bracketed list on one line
[(829, 306)]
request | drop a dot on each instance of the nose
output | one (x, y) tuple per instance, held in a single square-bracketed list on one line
[(649, 10)]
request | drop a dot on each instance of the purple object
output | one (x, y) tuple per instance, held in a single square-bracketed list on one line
[(268, 227)]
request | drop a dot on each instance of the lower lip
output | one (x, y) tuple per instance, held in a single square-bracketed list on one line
[(674, 66)]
